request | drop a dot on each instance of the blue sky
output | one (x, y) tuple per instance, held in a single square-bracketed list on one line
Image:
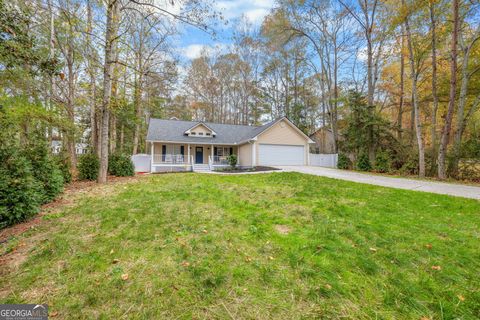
[(192, 41)]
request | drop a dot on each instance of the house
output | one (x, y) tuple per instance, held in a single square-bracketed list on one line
[(324, 141), (80, 148), (177, 145)]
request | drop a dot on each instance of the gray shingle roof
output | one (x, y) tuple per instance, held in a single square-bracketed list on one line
[(173, 130)]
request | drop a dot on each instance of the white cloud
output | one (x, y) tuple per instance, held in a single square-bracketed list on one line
[(256, 16), (253, 10), (194, 51)]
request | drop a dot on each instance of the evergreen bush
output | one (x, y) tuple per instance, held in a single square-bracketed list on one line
[(88, 166), (363, 163), (232, 160), (20, 192), (44, 169), (63, 162), (120, 165), (382, 162), (343, 161)]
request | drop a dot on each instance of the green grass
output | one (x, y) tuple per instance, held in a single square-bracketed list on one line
[(208, 247)]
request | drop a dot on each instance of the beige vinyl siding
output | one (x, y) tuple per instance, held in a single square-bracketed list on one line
[(202, 129), (282, 133), (245, 155)]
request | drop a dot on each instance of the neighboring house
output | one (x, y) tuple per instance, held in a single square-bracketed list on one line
[(324, 141), (195, 145), (80, 148)]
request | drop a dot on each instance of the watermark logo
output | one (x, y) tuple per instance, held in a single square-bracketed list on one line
[(23, 312)]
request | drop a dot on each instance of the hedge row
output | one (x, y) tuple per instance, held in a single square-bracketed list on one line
[(29, 177), (119, 165)]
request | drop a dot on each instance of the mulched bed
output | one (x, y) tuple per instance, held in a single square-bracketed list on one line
[(238, 170)]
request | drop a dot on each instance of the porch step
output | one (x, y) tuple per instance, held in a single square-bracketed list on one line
[(201, 167)]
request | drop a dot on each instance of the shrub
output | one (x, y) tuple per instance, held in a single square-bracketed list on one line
[(363, 163), (20, 193), (232, 160), (410, 166), (45, 170), (120, 165), (88, 166), (63, 162), (343, 161), (382, 162)]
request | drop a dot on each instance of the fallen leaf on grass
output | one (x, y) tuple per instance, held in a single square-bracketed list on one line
[(125, 276), (438, 268)]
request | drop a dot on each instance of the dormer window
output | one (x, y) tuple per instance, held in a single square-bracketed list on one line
[(203, 130)]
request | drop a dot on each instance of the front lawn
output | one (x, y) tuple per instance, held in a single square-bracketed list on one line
[(266, 246)]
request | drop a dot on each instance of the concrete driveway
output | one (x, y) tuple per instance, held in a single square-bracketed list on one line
[(457, 190)]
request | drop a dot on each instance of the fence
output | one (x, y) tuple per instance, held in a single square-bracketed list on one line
[(141, 162), (324, 160)]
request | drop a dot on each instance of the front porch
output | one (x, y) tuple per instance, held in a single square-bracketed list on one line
[(189, 157)]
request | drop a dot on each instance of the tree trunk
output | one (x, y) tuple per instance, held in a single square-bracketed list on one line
[(122, 137), (434, 85), (418, 126), (442, 152), (92, 86), (461, 118), (402, 89), (110, 34), (138, 97), (113, 133), (71, 109)]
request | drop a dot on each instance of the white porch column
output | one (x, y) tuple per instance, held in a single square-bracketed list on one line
[(254, 154), (188, 153), (151, 156)]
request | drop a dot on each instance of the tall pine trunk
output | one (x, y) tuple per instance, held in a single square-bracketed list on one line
[(434, 85), (442, 152), (110, 35), (402, 88), (418, 126), (92, 85)]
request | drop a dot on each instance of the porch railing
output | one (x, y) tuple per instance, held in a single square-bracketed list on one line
[(220, 160), (169, 158)]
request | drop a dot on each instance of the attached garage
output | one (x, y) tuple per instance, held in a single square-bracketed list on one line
[(281, 155)]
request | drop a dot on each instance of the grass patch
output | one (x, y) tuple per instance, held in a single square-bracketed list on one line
[(280, 245)]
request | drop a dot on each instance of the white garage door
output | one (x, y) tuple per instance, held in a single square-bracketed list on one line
[(280, 155)]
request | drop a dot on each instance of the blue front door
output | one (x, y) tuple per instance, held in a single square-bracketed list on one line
[(198, 154)]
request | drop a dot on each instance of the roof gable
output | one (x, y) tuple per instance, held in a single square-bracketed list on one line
[(201, 125), (174, 131)]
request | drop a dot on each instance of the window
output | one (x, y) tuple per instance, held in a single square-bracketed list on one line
[(223, 151)]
